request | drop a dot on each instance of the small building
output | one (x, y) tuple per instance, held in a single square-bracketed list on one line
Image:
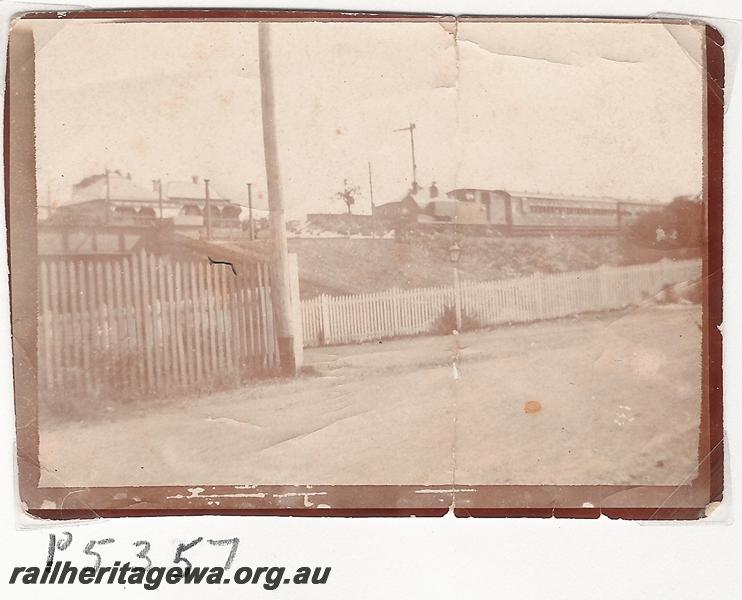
[(190, 197), (112, 199), (406, 208)]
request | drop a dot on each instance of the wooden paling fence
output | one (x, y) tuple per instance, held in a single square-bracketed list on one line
[(146, 325), (395, 312)]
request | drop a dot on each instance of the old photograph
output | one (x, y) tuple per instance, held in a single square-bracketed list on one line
[(362, 263)]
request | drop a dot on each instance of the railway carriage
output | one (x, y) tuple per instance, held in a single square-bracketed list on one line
[(534, 213)]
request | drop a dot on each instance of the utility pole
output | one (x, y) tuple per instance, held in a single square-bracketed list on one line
[(49, 198), (373, 207), (280, 291), (207, 208), (249, 208), (157, 186), (108, 196), (411, 129)]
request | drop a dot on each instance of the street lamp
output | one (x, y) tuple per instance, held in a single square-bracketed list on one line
[(454, 253)]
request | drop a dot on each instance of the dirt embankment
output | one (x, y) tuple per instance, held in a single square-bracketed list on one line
[(357, 265)]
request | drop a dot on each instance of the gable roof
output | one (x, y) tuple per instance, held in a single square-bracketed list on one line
[(121, 188)]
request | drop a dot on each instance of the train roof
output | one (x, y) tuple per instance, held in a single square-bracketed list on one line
[(559, 197)]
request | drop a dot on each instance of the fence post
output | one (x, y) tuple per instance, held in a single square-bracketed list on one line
[(396, 312), (457, 296), (296, 314), (665, 269), (538, 285), (324, 305), (599, 271)]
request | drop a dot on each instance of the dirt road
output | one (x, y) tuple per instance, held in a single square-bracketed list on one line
[(617, 402)]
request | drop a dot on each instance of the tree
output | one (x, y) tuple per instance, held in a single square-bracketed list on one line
[(349, 194), (680, 224)]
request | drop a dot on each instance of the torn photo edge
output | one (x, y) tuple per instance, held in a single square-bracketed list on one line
[(625, 502)]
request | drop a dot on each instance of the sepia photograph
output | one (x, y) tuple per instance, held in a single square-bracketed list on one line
[(371, 263)]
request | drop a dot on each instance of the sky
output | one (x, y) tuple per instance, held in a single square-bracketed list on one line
[(605, 109)]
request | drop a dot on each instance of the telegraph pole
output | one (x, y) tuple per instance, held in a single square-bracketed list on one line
[(108, 196), (249, 208), (280, 291), (157, 185), (49, 198), (373, 208), (207, 207), (411, 129)]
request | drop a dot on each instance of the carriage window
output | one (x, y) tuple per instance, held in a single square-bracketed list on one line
[(570, 210)]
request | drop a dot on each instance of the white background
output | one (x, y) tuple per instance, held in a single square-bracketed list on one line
[(448, 557)]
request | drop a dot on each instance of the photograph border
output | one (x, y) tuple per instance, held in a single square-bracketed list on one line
[(466, 500)]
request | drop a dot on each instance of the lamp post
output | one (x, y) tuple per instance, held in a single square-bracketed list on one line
[(454, 253)]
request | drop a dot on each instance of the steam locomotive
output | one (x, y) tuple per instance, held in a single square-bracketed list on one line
[(531, 212)]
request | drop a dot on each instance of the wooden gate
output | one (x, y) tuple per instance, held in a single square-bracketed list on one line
[(147, 325)]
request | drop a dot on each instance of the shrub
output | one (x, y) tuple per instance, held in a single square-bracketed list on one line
[(668, 295), (446, 323)]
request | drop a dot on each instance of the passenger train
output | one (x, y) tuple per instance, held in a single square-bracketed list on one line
[(532, 213)]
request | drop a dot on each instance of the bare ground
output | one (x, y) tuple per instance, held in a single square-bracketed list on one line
[(619, 399)]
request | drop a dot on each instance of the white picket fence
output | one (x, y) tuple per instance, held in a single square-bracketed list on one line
[(331, 320)]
